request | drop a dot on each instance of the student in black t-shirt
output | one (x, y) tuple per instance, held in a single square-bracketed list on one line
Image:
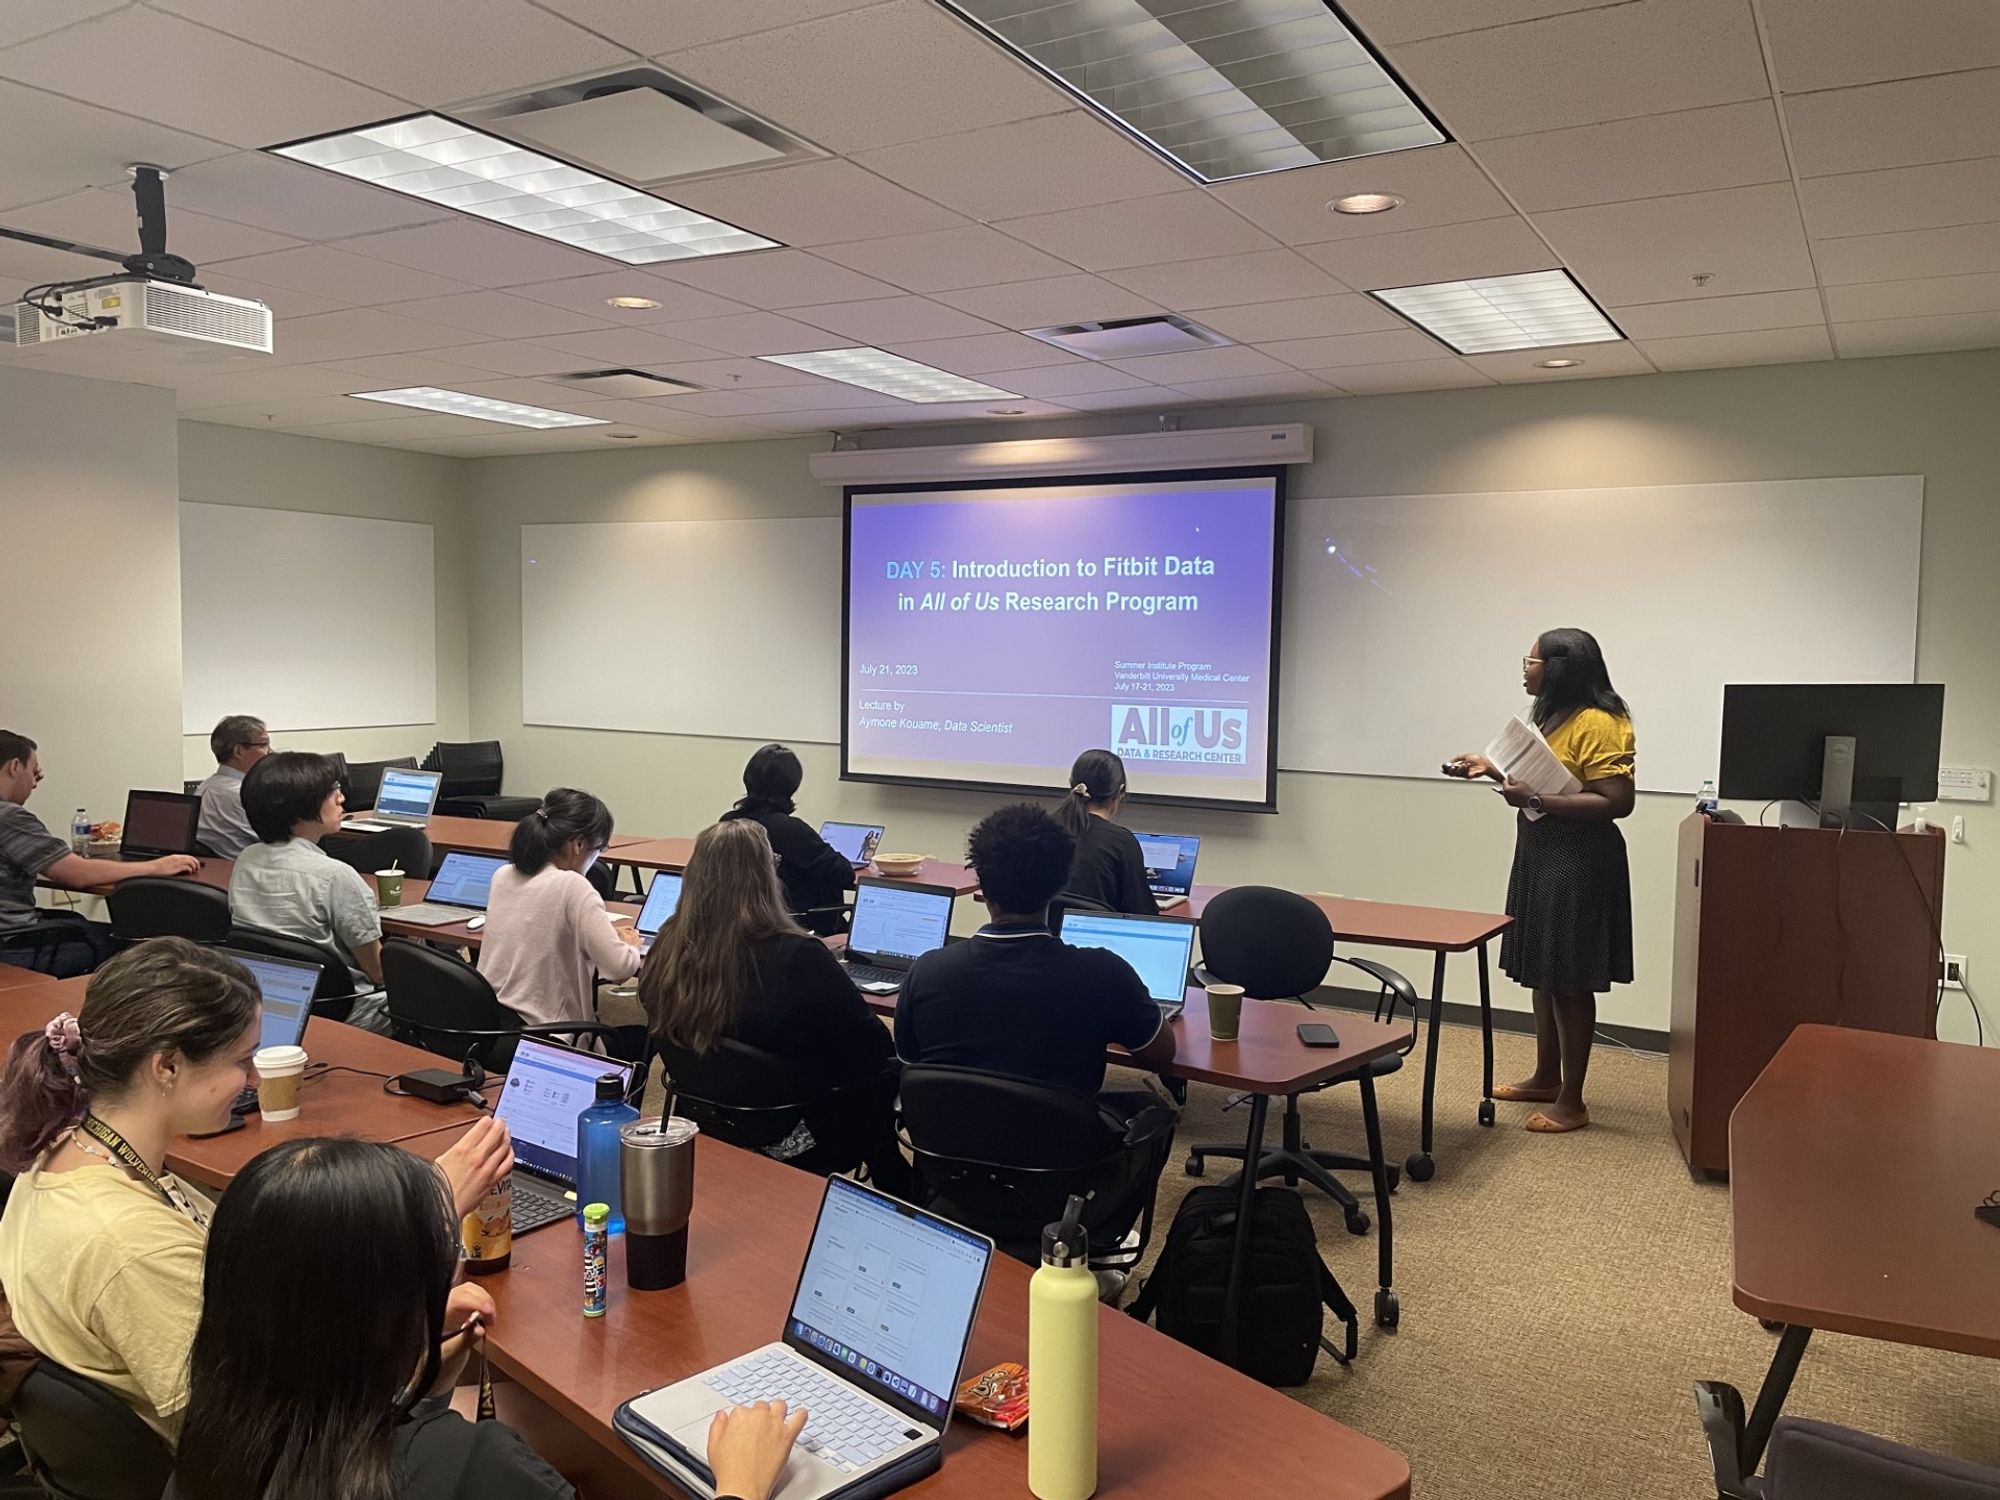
[(816, 876), (1108, 868)]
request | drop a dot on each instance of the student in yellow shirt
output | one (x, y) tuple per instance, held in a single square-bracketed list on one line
[(1570, 893)]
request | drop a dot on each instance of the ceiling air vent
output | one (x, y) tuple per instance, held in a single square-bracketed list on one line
[(1130, 338), (636, 384)]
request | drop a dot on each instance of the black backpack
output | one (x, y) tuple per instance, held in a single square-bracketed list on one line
[(1286, 1285)]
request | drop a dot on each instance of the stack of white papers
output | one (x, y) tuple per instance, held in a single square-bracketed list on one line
[(1522, 755)]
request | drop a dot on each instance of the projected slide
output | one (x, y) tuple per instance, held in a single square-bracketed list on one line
[(994, 632)]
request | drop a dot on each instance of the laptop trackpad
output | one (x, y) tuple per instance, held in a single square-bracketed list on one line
[(805, 1477)]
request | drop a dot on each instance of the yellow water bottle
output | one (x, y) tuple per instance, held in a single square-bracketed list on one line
[(1062, 1364)]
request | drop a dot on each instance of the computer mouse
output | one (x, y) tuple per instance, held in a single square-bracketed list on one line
[(476, 923)]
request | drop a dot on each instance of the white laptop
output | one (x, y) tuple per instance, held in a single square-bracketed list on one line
[(872, 1349), (663, 899), (461, 889), (405, 801), (1159, 949), (1169, 861), (854, 842)]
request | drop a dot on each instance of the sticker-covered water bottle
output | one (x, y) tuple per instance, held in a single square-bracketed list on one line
[(596, 1249)]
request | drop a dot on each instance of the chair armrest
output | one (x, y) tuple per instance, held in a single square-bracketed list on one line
[(1152, 1123), (1385, 976)]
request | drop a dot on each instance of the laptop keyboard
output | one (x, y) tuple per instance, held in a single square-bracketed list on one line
[(429, 914), (843, 1428), (535, 1207), (875, 974)]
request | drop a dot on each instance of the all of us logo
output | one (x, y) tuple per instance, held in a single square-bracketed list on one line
[(1161, 732)]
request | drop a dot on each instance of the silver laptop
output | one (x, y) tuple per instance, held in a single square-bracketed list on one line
[(872, 1349), (1159, 949), (547, 1087), (405, 801), (461, 888), (854, 842), (896, 922), (1169, 861), (663, 899)]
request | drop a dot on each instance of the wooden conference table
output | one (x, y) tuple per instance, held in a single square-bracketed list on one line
[(752, 1219), (673, 854), (1855, 1162)]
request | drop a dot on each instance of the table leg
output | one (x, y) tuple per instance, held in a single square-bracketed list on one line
[(1420, 1166), (1771, 1395), (1388, 1312), (1239, 1251), (1486, 1038), (1736, 1446)]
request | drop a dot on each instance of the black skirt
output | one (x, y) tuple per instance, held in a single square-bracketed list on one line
[(1570, 895)]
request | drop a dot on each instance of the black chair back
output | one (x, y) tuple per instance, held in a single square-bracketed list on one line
[(1069, 901), (405, 849), (738, 1093), (1818, 1461), (1274, 943), (470, 769), (333, 996), (364, 779), (156, 906), (83, 1443), (444, 1005)]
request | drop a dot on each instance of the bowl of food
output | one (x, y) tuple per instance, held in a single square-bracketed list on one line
[(106, 835), (901, 866)]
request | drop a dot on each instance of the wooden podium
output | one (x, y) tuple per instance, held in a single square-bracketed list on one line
[(1776, 926)]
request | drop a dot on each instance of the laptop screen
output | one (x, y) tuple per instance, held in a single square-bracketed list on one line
[(407, 793), (465, 879), (663, 896), (898, 921), (1169, 861), (891, 1293), (160, 822), (1157, 948), (547, 1088), (287, 991), (854, 842)]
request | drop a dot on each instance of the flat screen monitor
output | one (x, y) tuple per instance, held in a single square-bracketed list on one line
[(1775, 746)]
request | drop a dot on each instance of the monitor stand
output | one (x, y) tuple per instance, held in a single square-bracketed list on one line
[(1836, 781)]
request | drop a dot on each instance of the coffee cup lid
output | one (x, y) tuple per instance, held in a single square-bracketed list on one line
[(397, 873), (270, 1059), (1225, 989)]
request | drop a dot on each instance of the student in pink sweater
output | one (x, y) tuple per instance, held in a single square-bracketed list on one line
[(546, 927)]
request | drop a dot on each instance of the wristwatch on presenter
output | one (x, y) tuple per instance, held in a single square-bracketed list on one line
[(1535, 802)]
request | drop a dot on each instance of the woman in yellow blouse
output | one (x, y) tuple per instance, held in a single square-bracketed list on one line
[(1570, 893)]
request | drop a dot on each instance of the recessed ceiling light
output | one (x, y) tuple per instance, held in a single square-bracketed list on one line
[(1222, 89), (1494, 313), (1365, 203), (630, 303), (891, 374), (1557, 364), (441, 161), (462, 404)]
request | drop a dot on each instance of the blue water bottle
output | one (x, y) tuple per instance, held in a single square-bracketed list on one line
[(597, 1150)]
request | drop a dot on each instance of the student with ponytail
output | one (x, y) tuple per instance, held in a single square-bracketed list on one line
[(1108, 868)]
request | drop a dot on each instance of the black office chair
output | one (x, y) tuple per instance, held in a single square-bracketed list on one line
[(363, 784), (159, 906), (83, 1443), (35, 943), (1003, 1155), (405, 849), (755, 1099), (471, 784), (1278, 945), (333, 996)]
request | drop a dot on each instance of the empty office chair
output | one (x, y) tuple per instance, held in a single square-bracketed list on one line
[(444, 1005), (1278, 945), (158, 906), (405, 849), (1819, 1461), (1003, 1155), (333, 996), (471, 784), (363, 782), (83, 1443), (757, 1100)]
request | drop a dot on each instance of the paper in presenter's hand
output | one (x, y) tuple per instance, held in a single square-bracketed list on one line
[(1522, 755)]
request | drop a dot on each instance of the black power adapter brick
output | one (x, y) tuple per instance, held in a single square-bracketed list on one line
[(440, 1086)]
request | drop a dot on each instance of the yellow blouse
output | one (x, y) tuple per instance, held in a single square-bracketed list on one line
[(1595, 745)]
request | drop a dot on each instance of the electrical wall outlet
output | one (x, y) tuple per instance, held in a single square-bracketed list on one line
[(1954, 971)]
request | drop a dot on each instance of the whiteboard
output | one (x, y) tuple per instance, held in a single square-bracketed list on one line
[(1406, 616), (724, 628), (306, 621)]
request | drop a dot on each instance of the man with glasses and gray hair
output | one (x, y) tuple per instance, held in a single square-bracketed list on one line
[(238, 743)]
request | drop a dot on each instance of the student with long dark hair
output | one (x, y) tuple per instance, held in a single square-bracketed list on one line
[(1109, 868), (815, 875), (1570, 892), (546, 926)]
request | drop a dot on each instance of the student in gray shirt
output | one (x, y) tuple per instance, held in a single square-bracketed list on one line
[(238, 743), (28, 850), (287, 884)]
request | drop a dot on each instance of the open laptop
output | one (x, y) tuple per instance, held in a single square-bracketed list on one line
[(854, 842), (1169, 861), (158, 823), (895, 923), (405, 801), (461, 888), (872, 1349), (285, 988), (1159, 949), (663, 899), (548, 1086)]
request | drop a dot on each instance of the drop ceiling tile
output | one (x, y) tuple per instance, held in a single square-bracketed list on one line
[(588, 295), (1748, 239), (828, 419), (429, 53), (1292, 386), (813, 203), (327, 270), (1932, 197), (1449, 252), (1229, 280), (733, 374), (159, 67), (1003, 171), (302, 411), (650, 27), (106, 217), (832, 395), (633, 346), (1918, 335), (500, 315), (755, 333), (1690, 151), (1407, 375), (886, 320), (1933, 296), (1149, 398), (1200, 364), (1705, 315), (1298, 318), (399, 429), (1060, 382), (715, 429), (985, 352), (34, 264), (1387, 22), (893, 72), (549, 393), (1953, 117), (936, 413), (1766, 346), (1831, 44), (56, 146), (1644, 57), (357, 331), (283, 301), (18, 24), (1187, 225), (776, 279), (394, 372), (291, 198), (1438, 185), (499, 358), (947, 260), (1043, 304), (1965, 250), (1387, 347), (721, 403), (277, 383), (1523, 366), (483, 254)]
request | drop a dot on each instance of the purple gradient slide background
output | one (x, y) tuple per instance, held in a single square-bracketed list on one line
[(1052, 675)]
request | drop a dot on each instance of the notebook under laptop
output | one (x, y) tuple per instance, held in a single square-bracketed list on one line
[(405, 800), (548, 1086), (1159, 949), (462, 886), (854, 842), (1169, 861), (895, 923), (872, 1349), (158, 823), (285, 988), (663, 898)]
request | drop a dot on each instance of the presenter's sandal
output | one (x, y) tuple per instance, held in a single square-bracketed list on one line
[(1544, 1124), (1525, 1093)]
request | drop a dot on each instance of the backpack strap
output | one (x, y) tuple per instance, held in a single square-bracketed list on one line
[(1334, 1297)]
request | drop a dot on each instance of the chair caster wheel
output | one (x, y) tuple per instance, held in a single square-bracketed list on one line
[(1486, 1112), (1388, 1311), (1194, 1166), (1357, 1223), (1420, 1167)]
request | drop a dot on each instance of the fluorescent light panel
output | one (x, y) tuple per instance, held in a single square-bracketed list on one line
[(891, 374), (461, 404), (1224, 89), (455, 166), (1537, 310)]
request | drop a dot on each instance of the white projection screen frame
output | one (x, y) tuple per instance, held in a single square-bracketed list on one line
[(1407, 615), (308, 621), (1137, 612)]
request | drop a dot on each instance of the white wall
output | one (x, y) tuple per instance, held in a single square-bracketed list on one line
[(1394, 839)]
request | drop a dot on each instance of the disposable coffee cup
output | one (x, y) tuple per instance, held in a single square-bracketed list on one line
[(1225, 1011), (389, 887), (280, 1071), (656, 1183)]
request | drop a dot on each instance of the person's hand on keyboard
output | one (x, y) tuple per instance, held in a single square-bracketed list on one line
[(748, 1447), (482, 1156)]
